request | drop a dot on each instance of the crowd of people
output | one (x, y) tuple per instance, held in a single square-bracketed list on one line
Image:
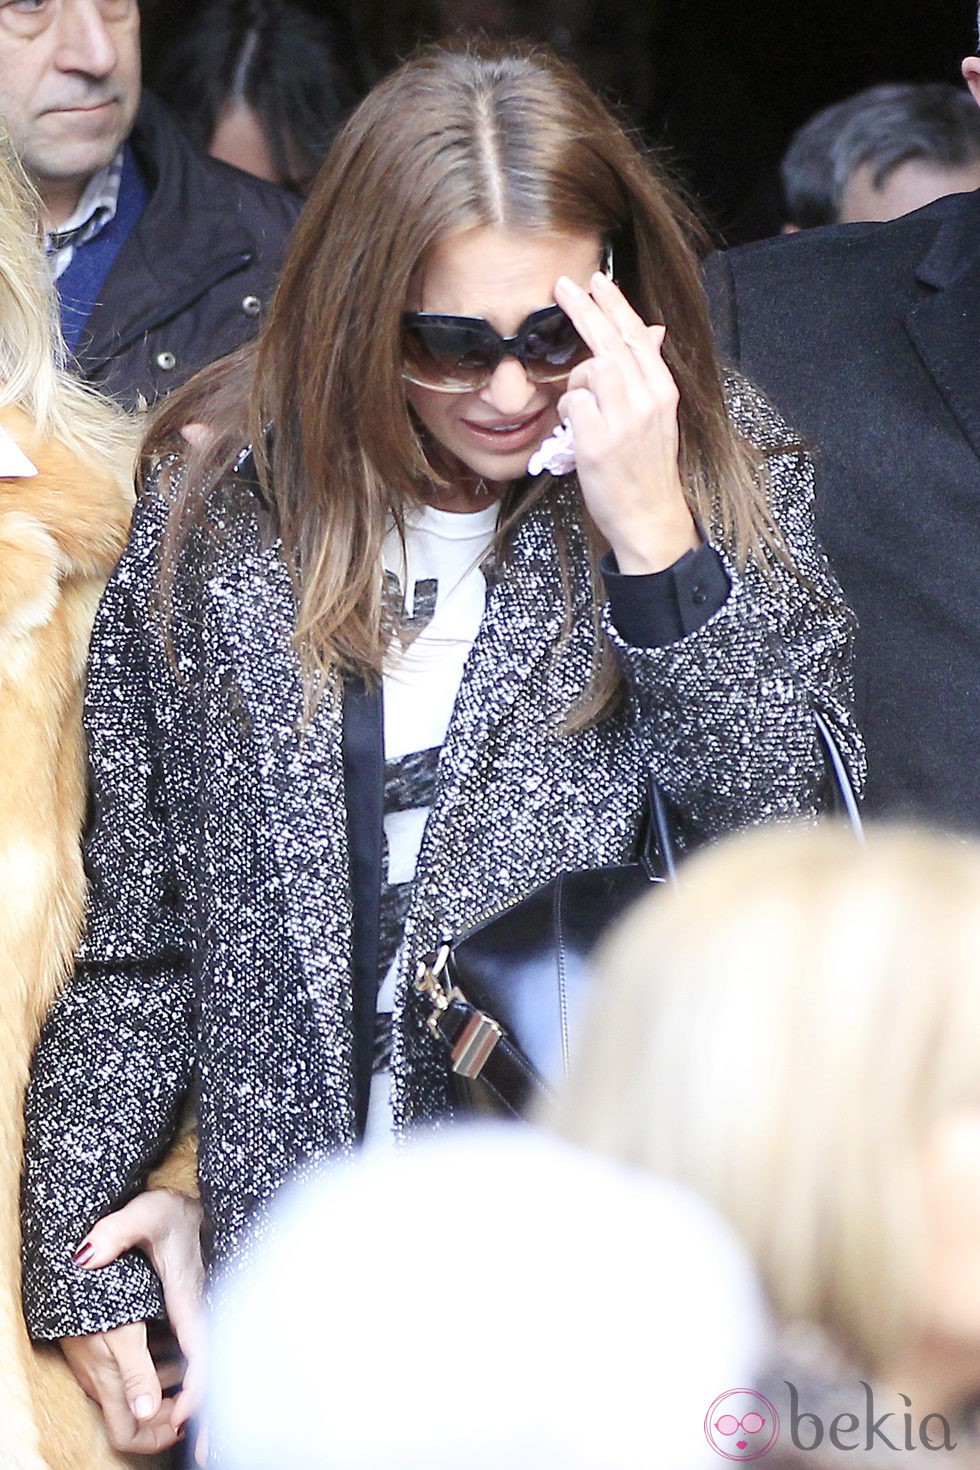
[(487, 528)]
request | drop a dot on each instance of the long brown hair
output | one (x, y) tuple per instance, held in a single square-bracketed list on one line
[(458, 137)]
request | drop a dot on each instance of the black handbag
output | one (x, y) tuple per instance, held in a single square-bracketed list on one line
[(508, 996)]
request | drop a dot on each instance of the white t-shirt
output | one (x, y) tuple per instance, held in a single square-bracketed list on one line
[(442, 592)]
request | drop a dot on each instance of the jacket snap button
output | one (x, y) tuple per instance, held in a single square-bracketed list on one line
[(698, 594), (166, 361), (251, 305)]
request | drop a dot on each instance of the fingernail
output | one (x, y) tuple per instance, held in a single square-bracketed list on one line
[(84, 1253), (601, 281), (143, 1406), (567, 284)]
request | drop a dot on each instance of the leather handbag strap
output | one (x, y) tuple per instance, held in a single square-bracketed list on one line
[(362, 746), (480, 1048), (658, 848), (843, 800)]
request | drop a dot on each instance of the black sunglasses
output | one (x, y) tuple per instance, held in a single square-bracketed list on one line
[(457, 354)]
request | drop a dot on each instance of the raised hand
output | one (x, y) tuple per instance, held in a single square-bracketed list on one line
[(622, 405)]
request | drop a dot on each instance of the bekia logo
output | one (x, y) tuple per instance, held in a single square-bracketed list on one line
[(741, 1425)]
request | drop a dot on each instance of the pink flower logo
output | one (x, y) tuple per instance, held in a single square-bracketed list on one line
[(741, 1425)]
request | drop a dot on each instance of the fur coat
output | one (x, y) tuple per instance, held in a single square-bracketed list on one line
[(60, 533)]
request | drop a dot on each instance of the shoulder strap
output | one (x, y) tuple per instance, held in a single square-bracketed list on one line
[(363, 755), (659, 846)]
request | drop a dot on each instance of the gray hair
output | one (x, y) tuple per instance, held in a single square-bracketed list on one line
[(885, 126)]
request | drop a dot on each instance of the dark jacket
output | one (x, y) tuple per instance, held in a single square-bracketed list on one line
[(196, 273), (218, 950), (867, 337)]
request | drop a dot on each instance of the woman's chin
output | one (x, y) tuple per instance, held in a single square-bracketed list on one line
[(502, 468)]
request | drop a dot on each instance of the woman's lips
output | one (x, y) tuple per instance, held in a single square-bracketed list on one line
[(507, 435)]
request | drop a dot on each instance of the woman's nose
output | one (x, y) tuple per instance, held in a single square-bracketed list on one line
[(510, 390)]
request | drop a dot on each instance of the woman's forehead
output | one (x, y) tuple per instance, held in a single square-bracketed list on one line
[(495, 272)]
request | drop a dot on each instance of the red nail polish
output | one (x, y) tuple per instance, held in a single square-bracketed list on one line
[(84, 1253)]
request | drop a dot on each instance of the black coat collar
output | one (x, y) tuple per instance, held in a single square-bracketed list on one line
[(191, 235), (944, 321), (956, 245)]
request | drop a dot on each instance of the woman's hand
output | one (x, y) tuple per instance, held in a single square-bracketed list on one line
[(622, 405), (117, 1368)]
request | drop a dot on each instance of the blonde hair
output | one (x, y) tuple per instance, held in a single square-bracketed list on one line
[(33, 376), (780, 1032)]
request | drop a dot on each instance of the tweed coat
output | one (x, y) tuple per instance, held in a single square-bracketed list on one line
[(218, 949)]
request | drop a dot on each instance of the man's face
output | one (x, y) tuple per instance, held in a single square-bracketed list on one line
[(69, 87)]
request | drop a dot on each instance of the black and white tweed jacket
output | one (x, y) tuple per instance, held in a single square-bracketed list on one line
[(217, 956)]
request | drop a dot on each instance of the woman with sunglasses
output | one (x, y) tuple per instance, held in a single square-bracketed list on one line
[(362, 678)]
